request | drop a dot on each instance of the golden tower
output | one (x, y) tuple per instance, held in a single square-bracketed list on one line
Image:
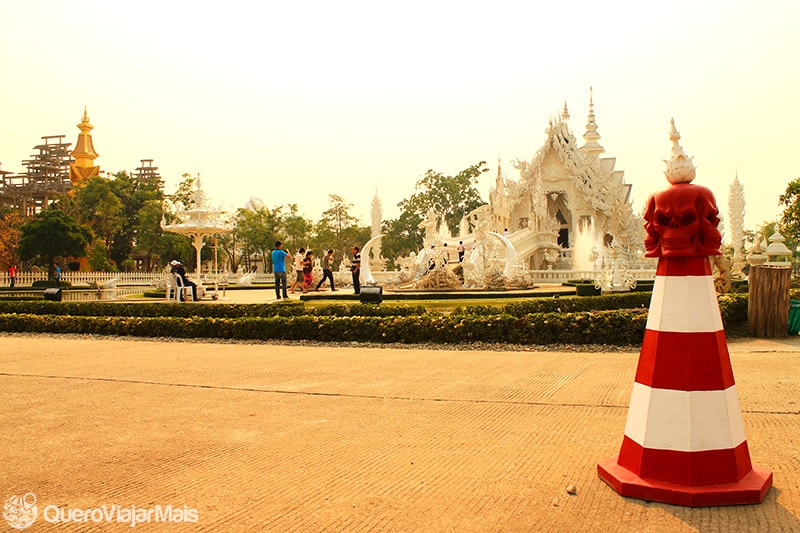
[(83, 168)]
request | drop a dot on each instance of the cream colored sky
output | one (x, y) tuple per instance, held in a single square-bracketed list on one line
[(293, 101)]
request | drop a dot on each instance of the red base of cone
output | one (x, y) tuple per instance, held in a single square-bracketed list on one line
[(752, 488)]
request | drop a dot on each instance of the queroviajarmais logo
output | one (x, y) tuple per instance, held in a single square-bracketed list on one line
[(20, 511)]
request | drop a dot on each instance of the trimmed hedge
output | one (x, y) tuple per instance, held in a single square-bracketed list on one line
[(554, 321), (604, 327), (194, 309), (566, 305)]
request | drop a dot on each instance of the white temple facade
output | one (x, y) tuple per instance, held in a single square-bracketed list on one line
[(568, 204)]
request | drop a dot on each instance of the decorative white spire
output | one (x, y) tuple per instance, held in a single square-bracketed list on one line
[(680, 168), (591, 136), (565, 113), (376, 216), (499, 181), (736, 206)]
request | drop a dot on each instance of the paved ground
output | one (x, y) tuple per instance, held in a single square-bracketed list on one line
[(266, 437)]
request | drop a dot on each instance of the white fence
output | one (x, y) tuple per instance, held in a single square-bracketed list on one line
[(151, 279), (87, 278)]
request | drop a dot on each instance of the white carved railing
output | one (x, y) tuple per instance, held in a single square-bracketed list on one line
[(148, 279), (89, 278)]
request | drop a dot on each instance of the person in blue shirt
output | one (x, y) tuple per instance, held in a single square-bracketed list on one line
[(279, 256)]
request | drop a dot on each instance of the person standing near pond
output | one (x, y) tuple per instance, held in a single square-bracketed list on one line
[(355, 268), (279, 256), (327, 270), (12, 275)]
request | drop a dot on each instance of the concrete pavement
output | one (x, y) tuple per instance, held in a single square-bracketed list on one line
[(270, 437)]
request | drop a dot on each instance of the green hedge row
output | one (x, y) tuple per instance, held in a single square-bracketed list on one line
[(194, 309), (603, 327), (556, 321), (562, 305), (733, 307)]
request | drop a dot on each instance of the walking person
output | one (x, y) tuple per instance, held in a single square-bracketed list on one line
[(279, 256), (355, 268), (327, 270), (299, 257), (12, 276), (308, 270), (461, 250), (57, 275)]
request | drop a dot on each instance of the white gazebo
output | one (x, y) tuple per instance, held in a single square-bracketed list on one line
[(198, 221)]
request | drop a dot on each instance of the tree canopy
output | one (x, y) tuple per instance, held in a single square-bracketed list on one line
[(450, 197), (50, 234), (791, 215)]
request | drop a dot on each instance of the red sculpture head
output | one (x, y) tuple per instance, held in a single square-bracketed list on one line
[(682, 221)]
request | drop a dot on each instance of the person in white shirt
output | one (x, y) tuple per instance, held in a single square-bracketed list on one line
[(299, 258)]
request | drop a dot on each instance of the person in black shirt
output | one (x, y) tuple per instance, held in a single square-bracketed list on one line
[(355, 268), (178, 270)]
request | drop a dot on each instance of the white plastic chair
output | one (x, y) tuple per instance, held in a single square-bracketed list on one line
[(176, 289)]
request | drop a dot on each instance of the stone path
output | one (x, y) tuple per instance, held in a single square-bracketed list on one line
[(269, 437)]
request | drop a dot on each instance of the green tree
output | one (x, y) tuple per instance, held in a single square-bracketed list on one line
[(403, 235), (790, 222), (338, 229), (185, 193), (50, 234), (256, 231), (135, 194), (100, 209), (451, 197), (297, 230), (149, 237)]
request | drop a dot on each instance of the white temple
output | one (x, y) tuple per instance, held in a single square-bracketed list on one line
[(568, 204)]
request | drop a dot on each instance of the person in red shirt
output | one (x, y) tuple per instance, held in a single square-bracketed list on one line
[(12, 275)]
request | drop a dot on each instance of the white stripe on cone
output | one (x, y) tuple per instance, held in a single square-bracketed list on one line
[(684, 421), (684, 304)]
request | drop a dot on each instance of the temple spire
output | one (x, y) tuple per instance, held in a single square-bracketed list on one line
[(591, 136), (84, 154)]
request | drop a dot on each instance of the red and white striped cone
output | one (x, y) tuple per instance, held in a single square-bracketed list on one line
[(684, 439)]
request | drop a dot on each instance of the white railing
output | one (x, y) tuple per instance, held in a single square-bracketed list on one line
[(88, 278), (147, 279)]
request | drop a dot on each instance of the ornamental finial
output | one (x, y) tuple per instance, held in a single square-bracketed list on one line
[(680, 168)]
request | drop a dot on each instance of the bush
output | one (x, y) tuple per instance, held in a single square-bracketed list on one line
[(604, 327), (614, 320)]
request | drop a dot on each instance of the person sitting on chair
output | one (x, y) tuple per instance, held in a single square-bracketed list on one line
[(178, 270)]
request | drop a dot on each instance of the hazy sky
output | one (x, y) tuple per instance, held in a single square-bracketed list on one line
[(293, 101)]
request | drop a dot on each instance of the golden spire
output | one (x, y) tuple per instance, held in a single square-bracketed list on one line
[(84, 154)]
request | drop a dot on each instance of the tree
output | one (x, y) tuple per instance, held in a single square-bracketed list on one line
[(149, 237), (297, 230), (790, 227), (256, 231), (136, 194), (451, 197), (101, 209), (338, 229), (10, 223), (53, 233), (403, 235)]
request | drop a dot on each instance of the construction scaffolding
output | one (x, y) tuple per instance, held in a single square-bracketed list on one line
[(147, 173), (46, 178)]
